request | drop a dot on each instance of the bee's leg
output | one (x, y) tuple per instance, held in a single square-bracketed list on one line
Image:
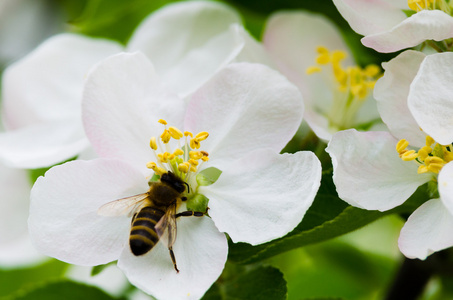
[(133, 218), (173, 259), (190, 213)]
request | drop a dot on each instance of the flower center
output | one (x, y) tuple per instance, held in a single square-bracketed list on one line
[(431, 157), (182, 160), (352, 86), (418, 5)]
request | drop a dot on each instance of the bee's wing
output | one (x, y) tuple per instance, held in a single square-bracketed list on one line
[(166, 227), (123, 206)]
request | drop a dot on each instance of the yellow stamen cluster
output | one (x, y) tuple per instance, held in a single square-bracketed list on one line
[(182, 160), (418, 5), (354, 79), (431, 157)]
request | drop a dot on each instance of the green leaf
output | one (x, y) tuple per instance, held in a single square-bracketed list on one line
[(335, 270), (98, 269), (327, 218), (18, 279), (33, 174), (114, 19), (66, 290), (257, 283)]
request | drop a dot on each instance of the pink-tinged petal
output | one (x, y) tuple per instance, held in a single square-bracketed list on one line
[(427, 230), (188, 42), (424, 25), (121, 108), (243, 112), (371, 16), (368, 173), (291, 41), (430, 98), (15, 244), (200, 251), (264, 195), (43, 144), (60, 64), (64, 222), (445, 180), (391, 92)]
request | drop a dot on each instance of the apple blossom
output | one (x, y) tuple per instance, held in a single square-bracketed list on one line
[(414, 93), (389, 26), (236, 123), (42, 92), (309, 50)]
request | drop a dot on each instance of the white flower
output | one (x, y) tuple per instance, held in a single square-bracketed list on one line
[(42, 92), (16, 248), (260, 195), (309, 50), (379, 170), (387, 27)]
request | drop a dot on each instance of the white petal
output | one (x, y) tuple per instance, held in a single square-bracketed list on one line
[(43, 145), (63, 219), (424, 25), (253, 51), (292, 43), (121, 109), (264, 195), (15, 244), (60, 65), (200, 251), (368, 172), (368, 17), (430, 98), (111, 279), (427, 230), (445, 180), (188, 42), (391, 92), (243, 112)]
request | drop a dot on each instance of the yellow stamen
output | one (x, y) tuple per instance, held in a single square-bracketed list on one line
[(409, 155), (175, 133), (429, 141), (165, 136), (153, 143), (163, 122), (178, 152), (401, 145), (312, 70), (201, 136)]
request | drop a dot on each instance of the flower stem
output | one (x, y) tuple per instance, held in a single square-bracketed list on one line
[(414, 274)]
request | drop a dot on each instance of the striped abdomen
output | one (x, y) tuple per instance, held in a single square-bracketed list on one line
[(143, 235)]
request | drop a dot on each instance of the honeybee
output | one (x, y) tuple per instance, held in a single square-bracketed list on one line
[(153, 214)]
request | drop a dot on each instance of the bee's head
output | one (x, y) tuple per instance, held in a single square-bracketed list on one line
[(174, 181)]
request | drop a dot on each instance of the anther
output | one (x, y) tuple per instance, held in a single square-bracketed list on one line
[(312, 70), (153, 143), (201, 136), (163, 122), (401, 145), (175, 133), (409, 155)]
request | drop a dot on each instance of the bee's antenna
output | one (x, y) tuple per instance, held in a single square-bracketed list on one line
[(188, 187)]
